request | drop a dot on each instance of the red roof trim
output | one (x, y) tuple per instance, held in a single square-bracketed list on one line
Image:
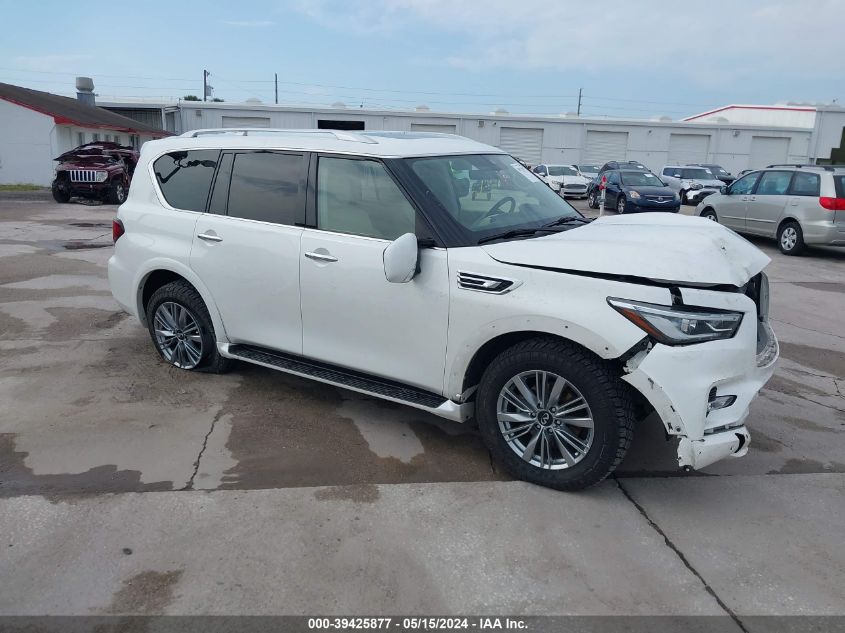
[(62, 120), (746, 107)]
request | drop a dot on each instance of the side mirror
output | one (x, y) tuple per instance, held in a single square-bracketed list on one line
[(723, 190), (401, 258)]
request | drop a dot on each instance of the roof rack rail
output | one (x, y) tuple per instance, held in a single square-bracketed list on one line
[(259, 131), (825, 167)]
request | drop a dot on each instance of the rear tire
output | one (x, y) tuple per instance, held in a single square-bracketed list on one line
[(593, 200), (603, 424), (791, 238), (683, 196), (60, 193), (182, 331)]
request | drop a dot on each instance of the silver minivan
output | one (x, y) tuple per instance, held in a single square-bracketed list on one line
[(799, 205)]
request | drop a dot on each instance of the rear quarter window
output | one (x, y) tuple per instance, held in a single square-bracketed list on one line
[(805, 184), (839, 182), (185, 177)]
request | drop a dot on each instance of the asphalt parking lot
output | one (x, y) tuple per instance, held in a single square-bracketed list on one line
[(127, 486)]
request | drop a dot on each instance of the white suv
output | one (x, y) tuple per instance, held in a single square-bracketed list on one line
[(364, 261)]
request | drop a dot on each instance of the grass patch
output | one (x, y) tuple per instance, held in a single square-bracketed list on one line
[(21, 187)]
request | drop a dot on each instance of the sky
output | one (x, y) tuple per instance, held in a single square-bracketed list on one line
[(634, 58)]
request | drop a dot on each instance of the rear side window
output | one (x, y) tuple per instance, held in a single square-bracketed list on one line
[(805, 184), (185, 177), (267, 186), (774, 183), (839, 181)]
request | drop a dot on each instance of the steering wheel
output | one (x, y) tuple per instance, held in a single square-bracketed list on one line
[(496, 210)]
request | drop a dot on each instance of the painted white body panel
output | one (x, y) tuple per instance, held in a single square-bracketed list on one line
[(691, 250), (353, 317), (261, 288), (253, 277)]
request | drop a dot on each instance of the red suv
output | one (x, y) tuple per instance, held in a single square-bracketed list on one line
[(96, 171)]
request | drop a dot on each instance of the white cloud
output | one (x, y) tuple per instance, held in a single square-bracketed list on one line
[(723, 38), (56, 62), (248, 23)]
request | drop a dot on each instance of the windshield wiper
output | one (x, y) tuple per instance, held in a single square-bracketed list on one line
[(518, 233), (566, 219)]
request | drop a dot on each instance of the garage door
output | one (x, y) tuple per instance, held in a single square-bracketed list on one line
[(522, 142), (433, 127), (605, 146), (688, 148), (246, 121), (766, 150)]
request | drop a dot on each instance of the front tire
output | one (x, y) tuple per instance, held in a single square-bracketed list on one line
[(620, 205), (117, 193), (710, 214), (60, 193), (593, 200), (182, 331), (553, 414), (791, 239), (683, 196)]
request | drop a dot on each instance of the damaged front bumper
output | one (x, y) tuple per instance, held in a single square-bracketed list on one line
[(683, 383)]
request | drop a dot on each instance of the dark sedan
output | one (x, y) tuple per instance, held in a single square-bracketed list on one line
[(631, 191)]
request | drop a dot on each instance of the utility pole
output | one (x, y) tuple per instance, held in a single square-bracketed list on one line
[(276, 75), (205, 75), (579, 101)]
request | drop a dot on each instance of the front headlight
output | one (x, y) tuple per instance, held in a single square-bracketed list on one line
[(696, 185), (678, 325), (102, 175), (635, 195)]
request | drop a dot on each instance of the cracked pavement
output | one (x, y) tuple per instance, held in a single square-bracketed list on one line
[(130, 487)]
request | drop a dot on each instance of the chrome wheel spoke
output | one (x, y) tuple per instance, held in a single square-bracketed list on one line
[(531, 447), (516, 401), (573, 441), (573, 405), (557, 388), (529, 396), (583, 423), (568, 457)]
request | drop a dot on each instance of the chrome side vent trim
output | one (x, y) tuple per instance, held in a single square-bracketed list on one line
[(483, 283)]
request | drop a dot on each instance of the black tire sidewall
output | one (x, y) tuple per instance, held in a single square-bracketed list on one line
[(799, 242), (185, 295), (621, 200), (582, 372), (710, 214), (60, 194)]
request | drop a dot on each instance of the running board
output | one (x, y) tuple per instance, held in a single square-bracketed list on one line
[(350, 379)]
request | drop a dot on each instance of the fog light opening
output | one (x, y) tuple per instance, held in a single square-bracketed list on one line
[(715, 401)]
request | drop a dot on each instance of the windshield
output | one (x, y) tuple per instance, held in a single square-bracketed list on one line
[(562, 170), (589, 169), (641, 179), (696, 174), (715, 169), (486, 194)]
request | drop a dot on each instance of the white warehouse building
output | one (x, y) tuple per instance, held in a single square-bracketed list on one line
[(736, 145)]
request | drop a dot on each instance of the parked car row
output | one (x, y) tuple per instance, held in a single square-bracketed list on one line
[(799, 205)]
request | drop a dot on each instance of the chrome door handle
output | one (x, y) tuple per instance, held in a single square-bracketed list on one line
[(210, 238), (321, 257)]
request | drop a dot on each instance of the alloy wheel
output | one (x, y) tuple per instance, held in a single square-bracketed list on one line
[(178, 335), (545, 420)]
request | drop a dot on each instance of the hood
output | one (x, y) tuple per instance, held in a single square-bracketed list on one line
[(657, 246), (706, 182), (651, 191), (569, 180), (87, 162)]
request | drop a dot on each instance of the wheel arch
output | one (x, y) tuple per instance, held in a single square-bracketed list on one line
[(158, 273), (786, 220), (474, 367)]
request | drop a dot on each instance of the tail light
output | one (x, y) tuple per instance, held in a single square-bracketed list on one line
[(116, 229), (832, 204)]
